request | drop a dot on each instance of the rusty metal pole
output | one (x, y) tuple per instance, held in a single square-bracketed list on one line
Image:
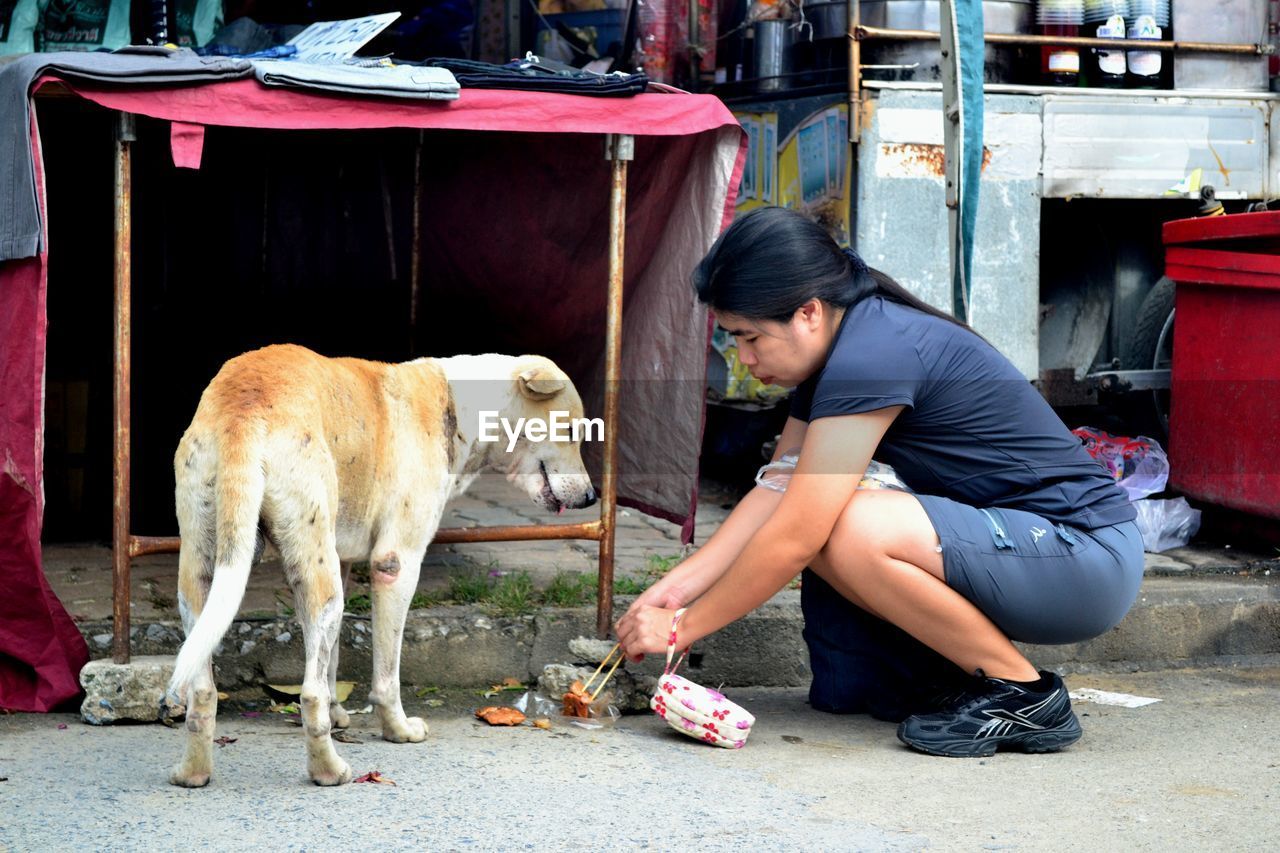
[(853, 10), (120, 557), (619, 149)]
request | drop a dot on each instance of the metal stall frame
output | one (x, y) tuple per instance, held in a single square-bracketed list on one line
[(859, 33), (619, 151)]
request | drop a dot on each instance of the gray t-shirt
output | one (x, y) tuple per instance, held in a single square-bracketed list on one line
[(973, 430)]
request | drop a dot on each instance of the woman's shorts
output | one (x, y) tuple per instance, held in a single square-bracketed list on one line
[(1039, 582)]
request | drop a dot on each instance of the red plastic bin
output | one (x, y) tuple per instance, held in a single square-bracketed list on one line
[(1224, 419)]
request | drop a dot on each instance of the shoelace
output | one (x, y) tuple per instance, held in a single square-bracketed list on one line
[(980, 690)]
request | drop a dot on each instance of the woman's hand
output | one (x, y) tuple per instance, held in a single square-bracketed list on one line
[(644, 630), (659, 595)]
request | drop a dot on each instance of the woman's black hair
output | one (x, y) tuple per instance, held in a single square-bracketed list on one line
[(773, 260)]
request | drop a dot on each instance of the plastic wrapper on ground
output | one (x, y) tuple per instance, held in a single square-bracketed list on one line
[(1166, 524)]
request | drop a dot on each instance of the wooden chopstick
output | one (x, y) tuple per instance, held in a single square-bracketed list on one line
[(608, 675)]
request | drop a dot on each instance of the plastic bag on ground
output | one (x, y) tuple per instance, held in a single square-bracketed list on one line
[(1166, 524), (1139, 465)]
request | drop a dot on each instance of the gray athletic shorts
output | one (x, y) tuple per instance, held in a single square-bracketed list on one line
[(1039, 582)]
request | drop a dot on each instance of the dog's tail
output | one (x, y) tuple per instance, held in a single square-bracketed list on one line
[(238, 495)]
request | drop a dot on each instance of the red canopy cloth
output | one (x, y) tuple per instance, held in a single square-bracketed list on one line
[(681, 191)]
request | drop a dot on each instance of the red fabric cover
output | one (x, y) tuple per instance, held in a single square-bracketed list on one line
[(246, 103), (41, 650)]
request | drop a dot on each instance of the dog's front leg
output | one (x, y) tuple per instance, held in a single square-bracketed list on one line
[(393, 579)]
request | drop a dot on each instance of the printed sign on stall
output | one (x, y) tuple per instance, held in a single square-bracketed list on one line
[(337, 41), (814, 171), (759, 185)]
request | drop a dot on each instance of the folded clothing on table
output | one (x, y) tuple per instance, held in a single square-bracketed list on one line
[(392, 81), (538, 74)]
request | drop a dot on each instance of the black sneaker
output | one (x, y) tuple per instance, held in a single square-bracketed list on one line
[(1005, 716)]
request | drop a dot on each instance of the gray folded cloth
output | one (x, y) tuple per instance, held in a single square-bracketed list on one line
[(19, 211), (392, 81)]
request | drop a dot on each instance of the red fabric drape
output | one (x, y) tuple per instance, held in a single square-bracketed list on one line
[(41, 650)]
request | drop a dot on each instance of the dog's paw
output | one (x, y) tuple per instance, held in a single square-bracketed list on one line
[(184, 778), (339, 717), (338, 772), (412, 730)]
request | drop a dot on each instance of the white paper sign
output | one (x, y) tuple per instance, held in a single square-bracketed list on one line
[(337, 41)]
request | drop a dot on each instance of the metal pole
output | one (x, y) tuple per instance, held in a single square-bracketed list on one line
[(860, 33), (143, 545), (854, 9), (620, 149), (120, 558)]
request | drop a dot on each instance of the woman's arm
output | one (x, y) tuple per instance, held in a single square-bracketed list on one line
[(704, 567), (833, 458)]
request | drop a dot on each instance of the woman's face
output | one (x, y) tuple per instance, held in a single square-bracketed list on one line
[(779, 353)]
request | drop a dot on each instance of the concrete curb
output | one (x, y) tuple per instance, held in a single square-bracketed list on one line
[(1175, 619)]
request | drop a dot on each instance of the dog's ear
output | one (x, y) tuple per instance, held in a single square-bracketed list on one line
[(539, 383)]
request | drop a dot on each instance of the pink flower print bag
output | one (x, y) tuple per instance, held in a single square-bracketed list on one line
[(699, 712)]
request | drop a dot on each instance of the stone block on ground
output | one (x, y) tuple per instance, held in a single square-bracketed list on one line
[(589, 649), (124, 691), (630, 691)]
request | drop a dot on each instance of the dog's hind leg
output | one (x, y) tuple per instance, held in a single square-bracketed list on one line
[(195, 571), (312, 569), (337, 714), (393, 579)]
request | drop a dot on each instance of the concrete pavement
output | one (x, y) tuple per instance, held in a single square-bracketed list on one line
[(1196, 771)]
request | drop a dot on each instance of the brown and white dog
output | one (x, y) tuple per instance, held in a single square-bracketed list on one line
[(336, 460)]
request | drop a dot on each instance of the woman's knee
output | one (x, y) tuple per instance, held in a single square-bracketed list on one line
[(879, 529)]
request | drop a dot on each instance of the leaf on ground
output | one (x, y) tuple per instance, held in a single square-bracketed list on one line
[(542, 723), (341, 736), (507, 684), (367, 709), (291, 692), (224, 740), (424, 691), (222, 697), (291, 708), (374, 776), (434, 703)]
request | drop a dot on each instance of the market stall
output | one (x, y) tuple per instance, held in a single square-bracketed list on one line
[(664, 181)]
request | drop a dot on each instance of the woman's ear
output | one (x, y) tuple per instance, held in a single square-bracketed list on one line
[(810, 314)]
